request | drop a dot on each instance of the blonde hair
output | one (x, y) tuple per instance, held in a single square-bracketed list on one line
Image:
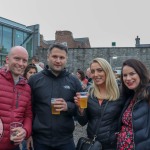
[(112, 90)]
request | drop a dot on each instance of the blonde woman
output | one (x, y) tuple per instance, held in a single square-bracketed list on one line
[(103, 91)]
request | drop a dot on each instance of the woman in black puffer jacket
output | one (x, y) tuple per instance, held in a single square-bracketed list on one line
[(135, 119), (104, 91)]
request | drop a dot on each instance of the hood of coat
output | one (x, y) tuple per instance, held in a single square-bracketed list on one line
[(8, 76)]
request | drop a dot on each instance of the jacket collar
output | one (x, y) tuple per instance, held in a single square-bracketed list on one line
[(8, 76), (48, 72)]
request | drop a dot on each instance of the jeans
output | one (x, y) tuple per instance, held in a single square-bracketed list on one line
[(24, 145), (68, 146)]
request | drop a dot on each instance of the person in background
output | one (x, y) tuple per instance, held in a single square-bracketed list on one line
[(35, 60), (5, 65), (54, 132), (81, 76), (15, 99), (104, 93), (41, 64), (88, 74), (117, 76), (88, 77), (135, 119), (29, 71)]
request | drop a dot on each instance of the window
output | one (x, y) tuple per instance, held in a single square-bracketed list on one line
[(0, 38), (18, 37), (25, 36), (29, 47), (7, 39)]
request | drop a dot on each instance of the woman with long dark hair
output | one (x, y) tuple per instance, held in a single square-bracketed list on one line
[(30, 70), (81, 76), (135, 119)]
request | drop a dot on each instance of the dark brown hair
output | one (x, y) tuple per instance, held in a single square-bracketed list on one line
[(30, 66), (144, 84), (59, 46), (81, 74)]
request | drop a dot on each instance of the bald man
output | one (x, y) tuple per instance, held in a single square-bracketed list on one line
[(15, 99)]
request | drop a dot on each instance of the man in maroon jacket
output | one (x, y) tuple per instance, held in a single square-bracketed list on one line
[(15, 99)]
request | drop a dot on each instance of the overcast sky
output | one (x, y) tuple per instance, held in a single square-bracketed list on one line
[(103, 21)]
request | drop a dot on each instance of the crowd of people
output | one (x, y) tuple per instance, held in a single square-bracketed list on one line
[(121, 110)]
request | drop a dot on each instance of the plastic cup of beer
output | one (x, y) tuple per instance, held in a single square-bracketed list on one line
[(54, 112), (83, 99), (13, 134)]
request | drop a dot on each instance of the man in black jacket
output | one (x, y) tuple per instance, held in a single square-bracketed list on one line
[(54, 132)]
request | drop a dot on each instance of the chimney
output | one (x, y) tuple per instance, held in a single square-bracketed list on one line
[(137, 42)]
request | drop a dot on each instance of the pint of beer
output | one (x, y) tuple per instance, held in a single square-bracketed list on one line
[(54, 112), (83, 99)]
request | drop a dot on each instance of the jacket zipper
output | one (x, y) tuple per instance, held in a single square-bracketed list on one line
[(17, 99), (13, 103), (132, 123)]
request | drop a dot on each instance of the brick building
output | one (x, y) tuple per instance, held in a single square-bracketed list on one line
[(66, 37)]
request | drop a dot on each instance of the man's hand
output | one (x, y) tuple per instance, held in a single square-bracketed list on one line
[(21, 134), (60, 105)]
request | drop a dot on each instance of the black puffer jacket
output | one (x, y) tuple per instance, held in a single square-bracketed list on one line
[(51, 129), (109, 124), (141, 122)]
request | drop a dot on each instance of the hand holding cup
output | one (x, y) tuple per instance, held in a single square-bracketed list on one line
[(81, 99), (17, 133), (58, 105)]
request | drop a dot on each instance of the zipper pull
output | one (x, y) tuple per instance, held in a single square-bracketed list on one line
[(17, 100)]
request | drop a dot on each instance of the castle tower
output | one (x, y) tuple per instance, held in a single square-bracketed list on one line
[(65, 37)]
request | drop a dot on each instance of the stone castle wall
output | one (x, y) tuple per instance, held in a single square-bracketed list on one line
[(80, 58)]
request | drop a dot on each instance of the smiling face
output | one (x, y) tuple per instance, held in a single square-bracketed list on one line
[(17, 60), (31, 72), (57, 60), (97, 74), (130, 78)]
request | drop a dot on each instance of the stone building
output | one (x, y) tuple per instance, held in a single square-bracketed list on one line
[(80, 58), (66, 37)]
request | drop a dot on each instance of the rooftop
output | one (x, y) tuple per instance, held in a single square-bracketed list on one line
[(13, 24)]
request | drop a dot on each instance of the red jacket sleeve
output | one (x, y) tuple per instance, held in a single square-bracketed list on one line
[(27, 123)]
